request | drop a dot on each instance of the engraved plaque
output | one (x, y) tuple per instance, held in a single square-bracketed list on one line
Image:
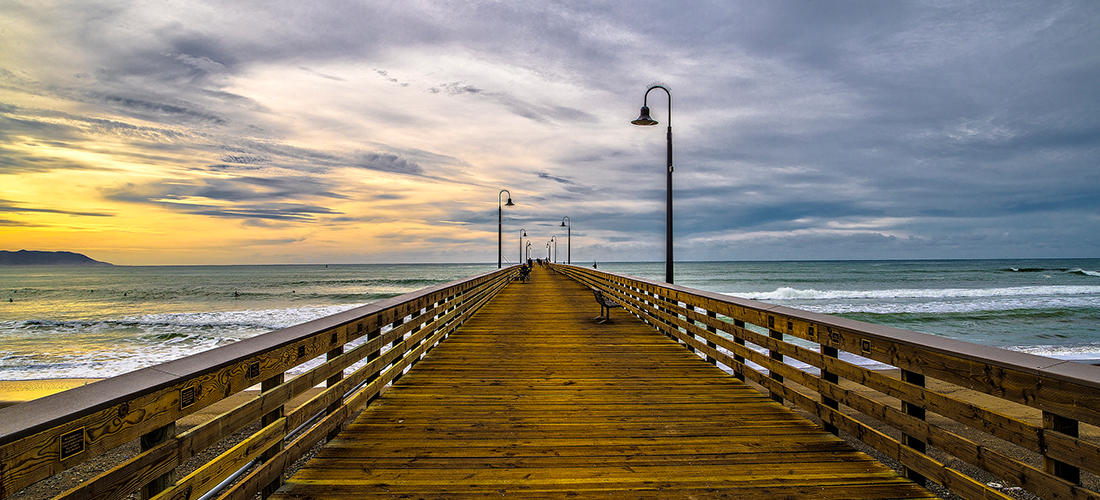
[(72, 443), (254, 370), (187, 397), (301, 351), (865, 346)]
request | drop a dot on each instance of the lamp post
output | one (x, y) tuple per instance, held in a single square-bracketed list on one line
[(500, 224), (528, 250), (522, 233), (547, 251), (554, 240), (568, 239), (645, 120)]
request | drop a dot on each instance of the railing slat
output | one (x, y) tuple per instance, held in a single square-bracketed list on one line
[(95, 418), (1066, 392)]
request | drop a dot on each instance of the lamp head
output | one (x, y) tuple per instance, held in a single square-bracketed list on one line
[(509, 203), (562, 223), (525, 234), (644, 118)]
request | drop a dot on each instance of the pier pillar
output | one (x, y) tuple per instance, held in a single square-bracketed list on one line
[(833, 378), (266, 420), (916, 379), (397, 341), (1069, 427), (777, 335), (372, 335), (738, 373), (152, 440), (331, 381), (712, 345)]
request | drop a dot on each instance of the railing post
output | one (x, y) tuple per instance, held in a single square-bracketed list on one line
[(828, 376), (265, 421), (916, 379), (373, 334), (776, 357), (712, 345), (738, 373), (1068, 427), (152, 440), (393, 345), (331, 381)]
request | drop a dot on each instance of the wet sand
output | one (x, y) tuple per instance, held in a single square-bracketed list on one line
[(19, 391)]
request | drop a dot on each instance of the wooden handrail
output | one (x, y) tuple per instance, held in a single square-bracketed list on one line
[(43, 437), (749, 338)]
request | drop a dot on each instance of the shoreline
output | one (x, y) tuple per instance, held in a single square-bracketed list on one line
[(13, 392)]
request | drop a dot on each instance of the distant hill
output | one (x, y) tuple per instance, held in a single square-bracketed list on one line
[(36, 258)]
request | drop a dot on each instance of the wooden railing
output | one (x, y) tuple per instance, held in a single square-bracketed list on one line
[(43, 437), (931, 411)]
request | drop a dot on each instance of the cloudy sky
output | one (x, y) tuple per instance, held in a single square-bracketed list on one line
[(189, 132)]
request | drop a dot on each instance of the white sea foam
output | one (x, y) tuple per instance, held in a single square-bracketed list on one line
[(257, 318), (961, 307), (53, 349), (1081, 353), (787, 293)]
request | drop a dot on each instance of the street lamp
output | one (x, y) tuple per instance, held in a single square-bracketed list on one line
[(568, 240), (548, 251), (645, 120), (500, 224), (554, 240), (528, 250), (521, 234)]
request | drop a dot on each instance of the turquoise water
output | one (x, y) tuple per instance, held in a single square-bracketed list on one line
[(97, 322)]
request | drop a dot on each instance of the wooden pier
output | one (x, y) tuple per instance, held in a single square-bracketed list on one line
[(490, 386), (531, 398)]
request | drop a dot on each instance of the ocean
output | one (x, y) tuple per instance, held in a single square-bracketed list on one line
[(97, 322)]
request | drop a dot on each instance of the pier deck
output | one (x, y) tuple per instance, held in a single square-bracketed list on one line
[(531, 398)]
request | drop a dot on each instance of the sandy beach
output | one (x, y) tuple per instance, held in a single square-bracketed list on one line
[(19, 391)]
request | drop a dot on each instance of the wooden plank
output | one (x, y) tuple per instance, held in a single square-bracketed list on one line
[(530, 398), (210, 474)]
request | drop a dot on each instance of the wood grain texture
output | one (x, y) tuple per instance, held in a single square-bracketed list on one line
[(531, 398)]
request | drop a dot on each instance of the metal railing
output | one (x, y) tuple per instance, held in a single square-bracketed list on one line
[(41, 438), (930, 413)]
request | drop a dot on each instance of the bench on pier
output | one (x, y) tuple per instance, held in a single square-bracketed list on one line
[(606, 304)]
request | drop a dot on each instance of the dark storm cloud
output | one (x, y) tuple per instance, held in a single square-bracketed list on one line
[(944, 120), (388, 162)]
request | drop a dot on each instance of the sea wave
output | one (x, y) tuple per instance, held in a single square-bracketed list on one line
[(788, 293), (1080, 353), (1045, 304), (270, 319)]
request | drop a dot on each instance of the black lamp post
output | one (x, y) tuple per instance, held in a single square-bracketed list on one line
[(528, 250), (522, 233), (500, 224), (568, 240), (644, 119), (547, 251), (554, 240)]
